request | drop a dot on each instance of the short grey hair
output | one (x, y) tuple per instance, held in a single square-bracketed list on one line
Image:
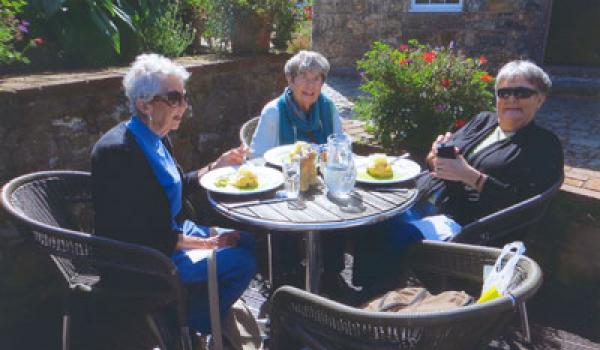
[(527, 70), (307, 61), (144, 77)]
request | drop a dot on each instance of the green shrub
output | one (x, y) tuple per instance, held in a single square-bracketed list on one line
[(88, 33), (415, 93), (163, 30)]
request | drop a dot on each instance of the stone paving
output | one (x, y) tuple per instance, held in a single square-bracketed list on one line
[(575, 119)]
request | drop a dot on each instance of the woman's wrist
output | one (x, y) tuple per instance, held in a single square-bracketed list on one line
[(476, 180), (473, 178)]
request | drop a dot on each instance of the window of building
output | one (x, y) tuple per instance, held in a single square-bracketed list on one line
[(436, 5)]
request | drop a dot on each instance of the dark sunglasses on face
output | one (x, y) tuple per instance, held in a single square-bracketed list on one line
[(519, 92), (172, 98)]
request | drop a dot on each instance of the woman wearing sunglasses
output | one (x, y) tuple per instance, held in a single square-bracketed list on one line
[(138, 188), (493, 161)]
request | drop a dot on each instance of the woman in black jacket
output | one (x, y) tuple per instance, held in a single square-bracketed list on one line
[(495, 160), (138, 187)]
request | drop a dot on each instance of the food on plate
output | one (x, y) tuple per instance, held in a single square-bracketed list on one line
[(222, 181), (298, 149), (245, 178), (379, 166)]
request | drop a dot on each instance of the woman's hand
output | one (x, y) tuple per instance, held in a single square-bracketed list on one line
[(226, 239), (458, 170), (234, 156), (433, 152)]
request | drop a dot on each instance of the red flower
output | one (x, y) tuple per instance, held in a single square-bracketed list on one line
[(308, 12), (404, 47), (429, 56), (38, 41), (459, 123), (403, 61), (486, 78), (445, 83), (482, 59)]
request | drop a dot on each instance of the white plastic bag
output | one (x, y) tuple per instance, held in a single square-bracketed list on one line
[(501, 277)]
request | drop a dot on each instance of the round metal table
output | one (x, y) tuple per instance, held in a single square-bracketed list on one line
[(314, 213)]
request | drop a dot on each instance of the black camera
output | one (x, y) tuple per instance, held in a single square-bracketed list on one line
[(446, 150)]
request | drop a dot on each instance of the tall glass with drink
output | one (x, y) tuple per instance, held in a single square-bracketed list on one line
[(340, 172)]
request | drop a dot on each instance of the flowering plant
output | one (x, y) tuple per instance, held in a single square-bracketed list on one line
[(13, 32), (415, 92)]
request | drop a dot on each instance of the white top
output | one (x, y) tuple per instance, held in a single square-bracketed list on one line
[(266, 135)]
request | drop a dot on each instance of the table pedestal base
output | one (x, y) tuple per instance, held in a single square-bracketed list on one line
[(313, 261)]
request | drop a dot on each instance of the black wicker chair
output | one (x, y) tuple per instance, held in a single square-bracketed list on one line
[(303, 319), (520, 217), (53, 209), (247, 131)]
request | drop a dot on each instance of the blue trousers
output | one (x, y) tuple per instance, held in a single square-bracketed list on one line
[(378, 248), (235, 268)]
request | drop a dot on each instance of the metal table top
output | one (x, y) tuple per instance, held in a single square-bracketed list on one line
[(315, 211)]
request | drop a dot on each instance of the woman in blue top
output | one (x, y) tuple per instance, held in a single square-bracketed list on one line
[(138, 188), (302, 112)]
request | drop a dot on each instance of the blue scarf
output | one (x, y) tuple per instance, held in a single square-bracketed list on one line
[(295, 125)]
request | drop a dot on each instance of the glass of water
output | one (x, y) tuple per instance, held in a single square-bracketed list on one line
[(340, 172), (291, 175)]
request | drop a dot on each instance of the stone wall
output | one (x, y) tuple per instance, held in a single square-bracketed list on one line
[(500, 29), (51, 121)]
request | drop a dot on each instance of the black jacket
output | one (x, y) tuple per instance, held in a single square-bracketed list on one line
[(129, 202), (519, 167)]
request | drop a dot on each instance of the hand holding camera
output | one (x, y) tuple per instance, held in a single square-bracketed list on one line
[(446, 150)]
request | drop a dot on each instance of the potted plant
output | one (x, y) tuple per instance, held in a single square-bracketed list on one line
[(248, 23), (415, 92)]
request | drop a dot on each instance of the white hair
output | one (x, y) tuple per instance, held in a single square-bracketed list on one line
[(526, 70), (144, 77), (307, 61)]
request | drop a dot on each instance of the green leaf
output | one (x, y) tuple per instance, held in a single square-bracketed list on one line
[(123, 16), (106, 27)]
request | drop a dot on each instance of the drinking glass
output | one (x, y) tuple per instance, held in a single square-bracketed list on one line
[(291, 175), (340, 172)]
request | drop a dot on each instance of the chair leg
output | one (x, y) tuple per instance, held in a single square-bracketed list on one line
[(525, 323), (186, 341), (66, 323), (154, 328), (270, 257), (66, 331)]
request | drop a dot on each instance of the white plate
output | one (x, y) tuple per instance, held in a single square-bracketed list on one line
[(268, 179), (403, 169), (275, 155)]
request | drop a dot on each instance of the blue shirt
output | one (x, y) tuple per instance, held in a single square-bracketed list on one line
[(162, 164)]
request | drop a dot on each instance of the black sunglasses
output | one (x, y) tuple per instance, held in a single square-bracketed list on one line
[(172, 98), (519, 92)]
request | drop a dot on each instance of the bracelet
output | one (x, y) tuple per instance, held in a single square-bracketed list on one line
[(479, 179)]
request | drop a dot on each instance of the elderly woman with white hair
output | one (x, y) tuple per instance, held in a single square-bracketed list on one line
[(302, 112), (138, 187), (495, 160)]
